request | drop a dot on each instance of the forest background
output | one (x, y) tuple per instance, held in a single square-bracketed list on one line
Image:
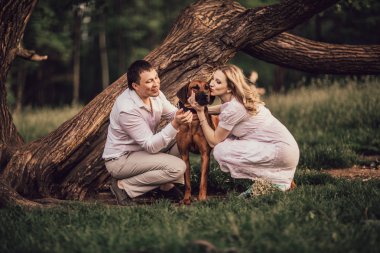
[(90, 44)]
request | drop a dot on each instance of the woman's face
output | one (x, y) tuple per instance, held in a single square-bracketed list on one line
[(218, 84)]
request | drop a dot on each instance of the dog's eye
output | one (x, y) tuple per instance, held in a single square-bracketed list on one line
[(207, 87), (196, 87)]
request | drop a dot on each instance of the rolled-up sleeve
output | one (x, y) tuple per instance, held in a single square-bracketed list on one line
[(137, 128), (168, 110)]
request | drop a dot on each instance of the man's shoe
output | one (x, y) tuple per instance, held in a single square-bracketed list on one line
[(174, 194), (122, 197)]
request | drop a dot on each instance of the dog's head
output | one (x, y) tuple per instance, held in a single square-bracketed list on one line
[(201, 90)]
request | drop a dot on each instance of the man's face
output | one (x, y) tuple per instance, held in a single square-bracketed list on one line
[(149, 85)]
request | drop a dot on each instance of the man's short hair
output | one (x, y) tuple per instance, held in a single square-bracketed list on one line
[(134, 71)]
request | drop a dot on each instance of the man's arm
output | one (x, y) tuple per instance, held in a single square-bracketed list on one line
[(137, 128), (168, 110)]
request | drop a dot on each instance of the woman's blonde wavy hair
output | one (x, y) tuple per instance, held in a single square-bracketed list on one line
[(241, 90)]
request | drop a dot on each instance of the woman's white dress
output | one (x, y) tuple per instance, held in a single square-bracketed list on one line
[(258, 146)]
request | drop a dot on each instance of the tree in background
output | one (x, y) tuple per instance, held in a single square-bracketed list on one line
[(67, 164), (77, 17), (348, 22), (114, 34)]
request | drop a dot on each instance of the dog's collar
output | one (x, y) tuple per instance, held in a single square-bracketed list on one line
[(181, 105)]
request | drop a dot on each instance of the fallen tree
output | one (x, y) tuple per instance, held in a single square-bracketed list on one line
[(67, 164)]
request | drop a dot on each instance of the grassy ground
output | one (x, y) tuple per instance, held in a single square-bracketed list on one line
[(334, 127), (35, 123), (322, 215)]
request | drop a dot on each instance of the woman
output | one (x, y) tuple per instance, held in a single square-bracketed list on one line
[(249, 142)]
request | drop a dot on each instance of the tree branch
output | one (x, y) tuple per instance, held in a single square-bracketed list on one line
[(311, 56), (260, 24), (29, 54)]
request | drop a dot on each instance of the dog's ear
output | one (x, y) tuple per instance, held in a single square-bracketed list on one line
[(182, 94), (212, 98)]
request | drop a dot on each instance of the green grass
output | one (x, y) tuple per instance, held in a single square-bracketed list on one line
[(334, 126), (322, 215), (35, 123)]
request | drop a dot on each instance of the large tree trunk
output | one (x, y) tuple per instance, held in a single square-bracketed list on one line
[(67, 163), (14, 15)]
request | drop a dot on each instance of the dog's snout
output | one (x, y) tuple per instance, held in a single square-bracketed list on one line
[(202, 98)]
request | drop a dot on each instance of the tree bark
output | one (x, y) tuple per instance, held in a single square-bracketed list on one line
[(9, 197), (14, 15), (67, 163), (294, 52)]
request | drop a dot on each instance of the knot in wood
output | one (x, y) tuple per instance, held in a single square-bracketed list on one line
[(228, 41)]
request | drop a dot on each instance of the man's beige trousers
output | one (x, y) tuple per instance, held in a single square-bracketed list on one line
[(140, 171)]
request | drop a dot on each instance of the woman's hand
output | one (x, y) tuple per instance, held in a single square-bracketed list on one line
[(194, 103)]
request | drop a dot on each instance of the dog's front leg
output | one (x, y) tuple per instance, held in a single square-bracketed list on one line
[(187, 197), (205, 163)]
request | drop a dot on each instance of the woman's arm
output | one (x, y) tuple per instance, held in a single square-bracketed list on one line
[(214, 110), (212, 137)]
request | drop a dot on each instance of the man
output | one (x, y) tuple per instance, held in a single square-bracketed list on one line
[(134, 152)]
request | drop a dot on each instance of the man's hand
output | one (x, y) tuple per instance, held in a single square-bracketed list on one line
[(182, 117)]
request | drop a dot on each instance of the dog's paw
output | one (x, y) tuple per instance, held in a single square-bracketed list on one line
[(186, 201)]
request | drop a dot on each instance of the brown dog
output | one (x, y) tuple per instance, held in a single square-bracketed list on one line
[(190, 137)]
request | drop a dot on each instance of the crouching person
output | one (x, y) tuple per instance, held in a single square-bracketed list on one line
[(139, 159)]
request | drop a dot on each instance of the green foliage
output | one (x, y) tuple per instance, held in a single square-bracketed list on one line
[(347, 22), (49, 31), (141, 25), (136, 27), (333, 216)]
